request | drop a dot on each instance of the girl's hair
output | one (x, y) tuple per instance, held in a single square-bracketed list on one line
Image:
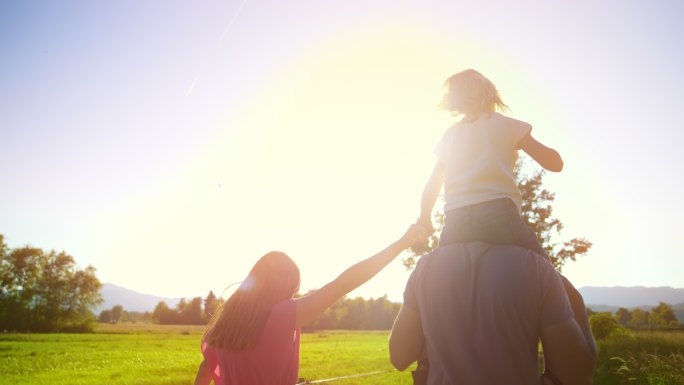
[(238, 324), (471, 94)]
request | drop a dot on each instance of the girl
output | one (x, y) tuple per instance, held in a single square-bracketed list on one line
[(254, 338), (475, 164)]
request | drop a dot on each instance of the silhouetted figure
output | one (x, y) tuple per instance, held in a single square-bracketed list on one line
[(479, 310)]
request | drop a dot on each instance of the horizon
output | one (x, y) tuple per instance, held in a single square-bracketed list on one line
[(399, 300), (173, 153)]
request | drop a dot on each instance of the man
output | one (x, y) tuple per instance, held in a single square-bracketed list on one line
[(478, 311)]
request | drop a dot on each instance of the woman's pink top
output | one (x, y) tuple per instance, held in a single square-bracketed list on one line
[(273, 361)]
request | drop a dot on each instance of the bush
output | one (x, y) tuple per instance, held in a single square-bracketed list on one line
[(603, 325)]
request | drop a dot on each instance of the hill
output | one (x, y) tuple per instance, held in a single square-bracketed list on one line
[(130, 300), (634, 296)]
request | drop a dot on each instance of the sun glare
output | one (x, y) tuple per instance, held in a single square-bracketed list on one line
[(337, 141)]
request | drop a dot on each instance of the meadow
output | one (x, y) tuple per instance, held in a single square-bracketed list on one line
[(169, 355), (147, 354)]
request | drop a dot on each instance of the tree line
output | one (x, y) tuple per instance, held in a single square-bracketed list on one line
[(117, 314), (193, 312), (347, 313), (605, 324), (660, 316)]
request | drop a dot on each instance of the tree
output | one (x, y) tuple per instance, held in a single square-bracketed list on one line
[(623, 316), (117, 313), (211, 304), (664, 315), (45, 291), (356, 316), (537, 212), (640, 318), (191, 313), (163, 314), (603, 325), (105, 316)]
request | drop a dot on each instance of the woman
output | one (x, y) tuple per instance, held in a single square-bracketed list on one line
[(254, 339)]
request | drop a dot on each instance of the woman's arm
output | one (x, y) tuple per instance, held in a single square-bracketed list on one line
[(203, 376), (546, 157), (312, 305), (430, 194)]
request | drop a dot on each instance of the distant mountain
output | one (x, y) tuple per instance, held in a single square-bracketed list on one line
[(130, 300), (635, 296)]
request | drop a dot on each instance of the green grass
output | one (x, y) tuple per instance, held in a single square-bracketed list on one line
[(641, 358), (335, 354), (98, 358), (169, 355)]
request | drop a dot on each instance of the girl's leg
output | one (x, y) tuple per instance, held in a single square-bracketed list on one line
[(456, 227), (498, 221)]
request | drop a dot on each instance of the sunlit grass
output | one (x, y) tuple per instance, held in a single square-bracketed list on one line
[(169, 355), (648, 358)]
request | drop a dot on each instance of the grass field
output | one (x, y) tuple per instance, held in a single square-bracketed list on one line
[(169, 355)]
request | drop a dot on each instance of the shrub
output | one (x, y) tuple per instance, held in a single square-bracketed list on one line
[(603, 325)]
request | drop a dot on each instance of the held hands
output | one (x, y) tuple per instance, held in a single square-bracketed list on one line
[(426, 222), (423, 247), (417, 233)]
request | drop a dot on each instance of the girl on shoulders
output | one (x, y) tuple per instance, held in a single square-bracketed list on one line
[(476, 157)]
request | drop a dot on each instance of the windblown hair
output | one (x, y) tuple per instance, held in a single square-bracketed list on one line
[(238, 324), (471, 94)]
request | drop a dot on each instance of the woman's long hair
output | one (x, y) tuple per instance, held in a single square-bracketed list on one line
[(471, 94), (238, 324)]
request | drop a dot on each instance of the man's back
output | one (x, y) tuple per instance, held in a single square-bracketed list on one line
[(482, 308)]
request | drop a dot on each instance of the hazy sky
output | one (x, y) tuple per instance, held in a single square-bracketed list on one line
[(171, 144)]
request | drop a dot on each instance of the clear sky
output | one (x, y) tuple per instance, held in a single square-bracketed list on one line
[(170, 144)]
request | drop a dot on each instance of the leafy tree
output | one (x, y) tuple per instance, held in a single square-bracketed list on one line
[(185, 313), (640, 318), (356, 315), (331, 317), (117, 313), (105, 316), (623, 316), (538, 215), (537, 212), (664, 314), (211, 304), (163, 314), (45, 291), (603, 325), (191, 313), (381, 313)]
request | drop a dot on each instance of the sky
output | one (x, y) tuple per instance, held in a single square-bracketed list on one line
[(170, 144)]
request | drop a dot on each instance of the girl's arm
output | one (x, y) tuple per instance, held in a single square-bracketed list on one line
[(203, 376), (312, 305), (430, 193), (546, 157)]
